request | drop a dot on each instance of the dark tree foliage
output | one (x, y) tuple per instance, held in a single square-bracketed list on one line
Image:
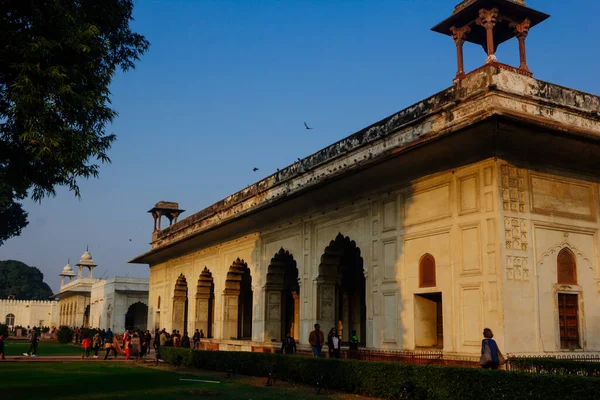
[(22, 281), (57, 60)]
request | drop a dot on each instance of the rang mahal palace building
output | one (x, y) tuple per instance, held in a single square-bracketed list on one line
[(476, 207)]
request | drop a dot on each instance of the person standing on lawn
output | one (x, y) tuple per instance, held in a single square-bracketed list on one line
[(96, 343), (316, 340), (33, 343), (128, 347), (86, 343), (3, 336)]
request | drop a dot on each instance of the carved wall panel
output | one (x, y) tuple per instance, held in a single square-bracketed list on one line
[(471, 314), (428, 205), (517, 268), (274, 306), (469, 194), (327, 303), (391, 311), (516, 233), (513, 188), (390, 253), (471, 250), (389, 214), (561, 197)]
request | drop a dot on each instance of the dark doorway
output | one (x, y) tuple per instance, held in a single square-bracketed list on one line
[(342, 265), (282, 278), (245, 306), (137, 317)]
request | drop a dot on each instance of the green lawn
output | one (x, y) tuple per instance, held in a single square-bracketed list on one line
[(17, 348), (100, 380)]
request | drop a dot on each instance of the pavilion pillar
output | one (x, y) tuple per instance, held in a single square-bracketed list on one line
[(459, 36), (488, 19), (521, 31)]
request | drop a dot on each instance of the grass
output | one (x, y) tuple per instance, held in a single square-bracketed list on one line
[(95, 381), (17, 348)]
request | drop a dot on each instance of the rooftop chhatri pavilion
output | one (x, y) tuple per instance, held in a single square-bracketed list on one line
[(476, 207)]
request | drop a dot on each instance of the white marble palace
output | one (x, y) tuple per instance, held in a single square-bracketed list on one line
[(476, 207), (117, 303)]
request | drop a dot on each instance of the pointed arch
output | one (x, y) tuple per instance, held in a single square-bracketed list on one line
[(282, 291), (566, 267), (10, 319), (136, 317), (427, 273), (238, 302), (342, 288)]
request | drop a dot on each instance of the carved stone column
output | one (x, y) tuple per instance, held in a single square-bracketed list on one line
[(296, 325), (459, 36), (230, 317), (488, 19), (273, 314), (521, 31), (326, 304)]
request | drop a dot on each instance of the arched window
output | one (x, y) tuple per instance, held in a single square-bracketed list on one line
[(10, 319), (427, 271), (566, 267)]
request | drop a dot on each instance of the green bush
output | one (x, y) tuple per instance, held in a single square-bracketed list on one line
[(392, 380), (3, 331), (555, 366), (65, 334)]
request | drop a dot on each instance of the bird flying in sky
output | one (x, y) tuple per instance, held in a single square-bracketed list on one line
[(254, 169), (306, 126)]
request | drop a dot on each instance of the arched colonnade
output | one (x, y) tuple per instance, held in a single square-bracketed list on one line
[(341, 298)]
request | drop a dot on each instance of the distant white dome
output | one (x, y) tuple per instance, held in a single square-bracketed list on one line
[(86, 259), (67, 270)]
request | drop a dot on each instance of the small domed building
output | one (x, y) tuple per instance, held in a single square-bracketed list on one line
[(117, 303)]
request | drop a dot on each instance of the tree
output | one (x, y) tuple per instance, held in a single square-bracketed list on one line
[(22, 281), (57, 60)]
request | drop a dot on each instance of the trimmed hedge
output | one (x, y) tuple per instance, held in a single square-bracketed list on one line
[(391, 380), (555, 366)]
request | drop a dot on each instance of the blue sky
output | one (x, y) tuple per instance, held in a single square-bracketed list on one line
[(227, 85)]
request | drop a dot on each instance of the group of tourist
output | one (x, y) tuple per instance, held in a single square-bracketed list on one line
[(334, 343)]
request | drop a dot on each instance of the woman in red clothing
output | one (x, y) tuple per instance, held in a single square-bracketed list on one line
[(128, 346), (86, 344)]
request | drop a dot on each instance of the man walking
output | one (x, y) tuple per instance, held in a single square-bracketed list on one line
[(316, 339), (33, 343)]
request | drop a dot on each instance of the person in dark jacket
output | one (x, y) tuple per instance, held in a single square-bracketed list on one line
[(288, 345), (33, 343), (334, 343), (108, 336), (196, 339), (3, 336), (185, 341)]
